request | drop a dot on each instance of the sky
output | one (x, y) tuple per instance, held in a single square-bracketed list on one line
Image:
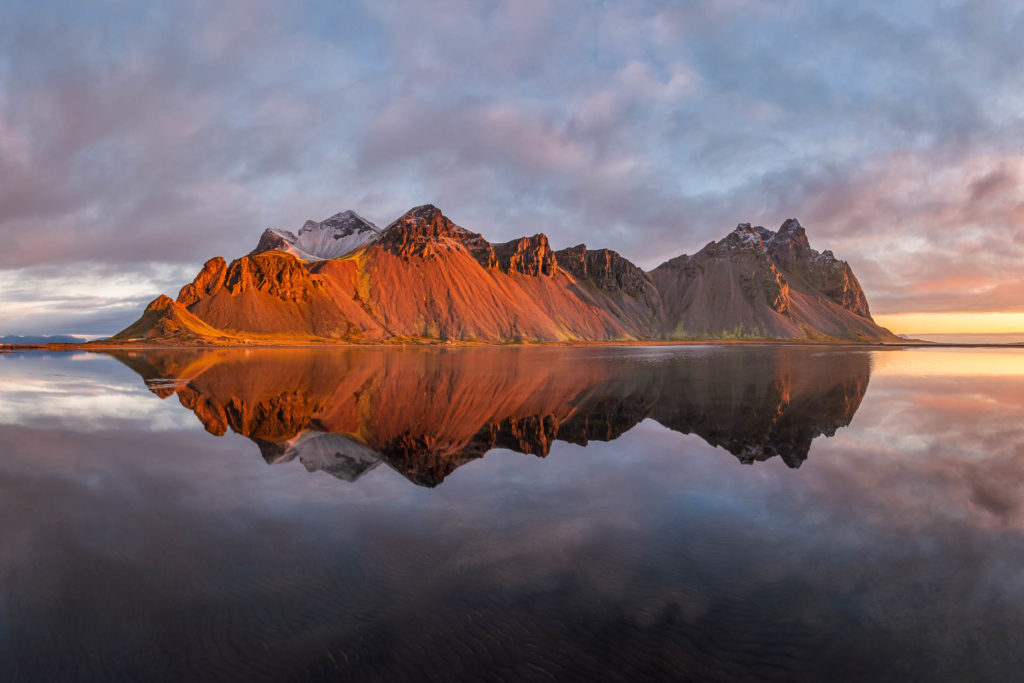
[(137, 140)]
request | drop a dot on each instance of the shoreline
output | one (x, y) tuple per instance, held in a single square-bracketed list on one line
[(101, 347)]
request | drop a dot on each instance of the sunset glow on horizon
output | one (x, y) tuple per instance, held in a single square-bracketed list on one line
[(953, 323)]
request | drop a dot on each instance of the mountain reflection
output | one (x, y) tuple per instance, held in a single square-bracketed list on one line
[(425, 412)]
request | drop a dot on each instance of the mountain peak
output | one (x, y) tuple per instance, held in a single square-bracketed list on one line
[(161, 303), (790, 225), (348, 222), (422, 213), (746, 234), (790, 243), (427, 221), (332, 237), (423, 225)]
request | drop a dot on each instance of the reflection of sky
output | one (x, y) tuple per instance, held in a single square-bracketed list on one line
[(898, 540), (81, 392), (941, 362)]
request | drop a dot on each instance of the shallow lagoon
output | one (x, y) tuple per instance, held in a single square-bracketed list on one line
[(521, 513)]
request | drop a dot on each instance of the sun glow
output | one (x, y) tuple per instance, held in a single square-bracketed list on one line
[(953, 323)]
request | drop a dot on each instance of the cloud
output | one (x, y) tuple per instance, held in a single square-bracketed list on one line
[(87, 299), (140, 134)]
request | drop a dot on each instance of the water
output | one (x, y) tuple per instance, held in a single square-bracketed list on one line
[(512, 514)]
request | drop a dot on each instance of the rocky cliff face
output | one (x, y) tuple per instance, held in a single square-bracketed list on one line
[(605, 268), (424, 278), (526, 255), (277, 275), (823, 272), (206, 282), (424, 231)]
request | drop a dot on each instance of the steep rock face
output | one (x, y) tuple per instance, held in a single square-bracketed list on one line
[(820, 271), (788, 246), (617, 285), (759, 277), (573, 260), (526, 255), (424, 231), (607, 269), (481, 250), (835, 279), (276, 294), (272, 273), (209, 279), (277, 274)]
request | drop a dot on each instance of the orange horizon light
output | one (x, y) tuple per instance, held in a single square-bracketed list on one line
[(960, 322)]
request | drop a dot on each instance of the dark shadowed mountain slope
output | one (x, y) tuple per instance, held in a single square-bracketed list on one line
[(755, 283)]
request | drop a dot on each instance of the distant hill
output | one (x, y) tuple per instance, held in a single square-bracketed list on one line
[(40, 339), (425, 279), (346, 414)]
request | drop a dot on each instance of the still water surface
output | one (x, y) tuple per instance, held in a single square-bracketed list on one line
[(512, 514)]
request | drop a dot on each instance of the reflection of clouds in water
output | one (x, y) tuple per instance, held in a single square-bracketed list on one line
[(80, 397), (930, 451), (897, 540)]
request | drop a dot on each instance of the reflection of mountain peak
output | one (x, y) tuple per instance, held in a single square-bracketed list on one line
[(336, 454), (427, 412)]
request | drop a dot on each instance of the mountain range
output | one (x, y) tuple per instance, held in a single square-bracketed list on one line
[(425, 279)]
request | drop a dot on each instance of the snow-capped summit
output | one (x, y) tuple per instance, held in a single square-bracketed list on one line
[(333, 237)]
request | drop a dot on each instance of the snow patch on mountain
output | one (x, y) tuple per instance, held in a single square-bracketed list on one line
[(331, 238)]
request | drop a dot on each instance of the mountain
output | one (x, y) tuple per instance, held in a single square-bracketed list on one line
[(166, 320), (425, 279), (348, 411), (331, 238), (23, 340), (759, 283)]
